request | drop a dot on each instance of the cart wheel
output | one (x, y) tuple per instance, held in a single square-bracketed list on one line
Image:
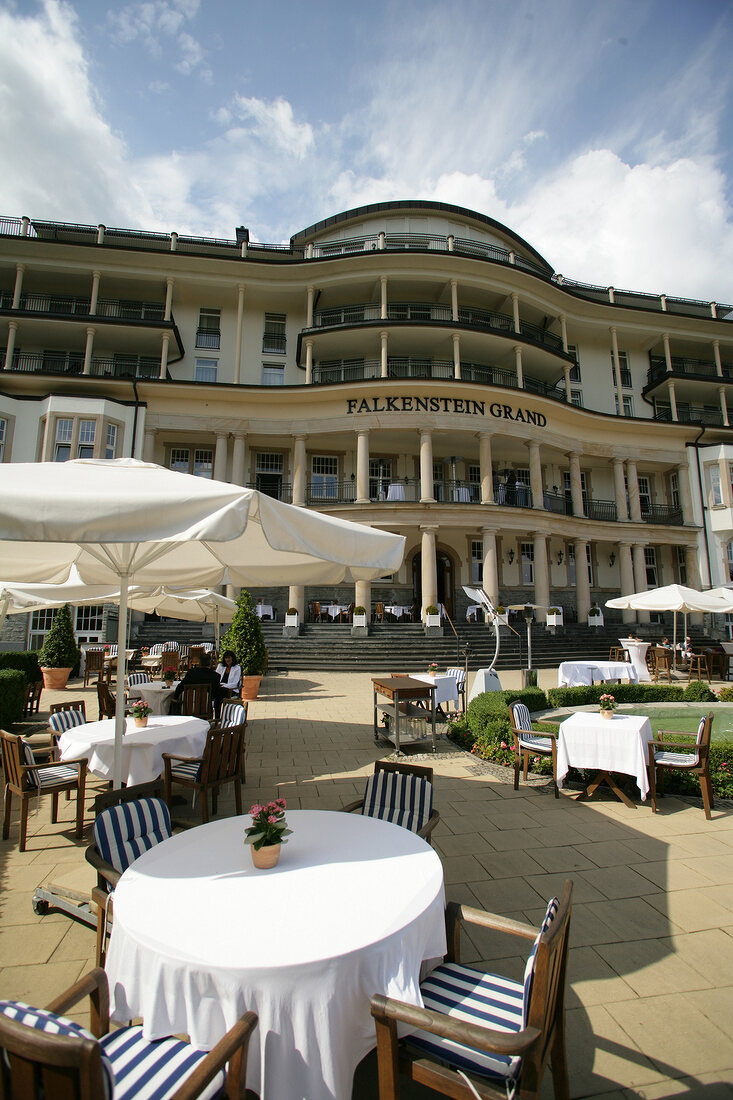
[(40, 907)]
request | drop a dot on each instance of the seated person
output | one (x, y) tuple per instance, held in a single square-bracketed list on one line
[(230, 676), (666, 642), (201, 673)]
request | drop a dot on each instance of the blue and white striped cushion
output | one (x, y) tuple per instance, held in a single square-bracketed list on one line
[(187, 771), (169, 646), (111, 650), (458, 674), (550, 914), (483, 999), (233, 714), (138, 678), (124, 832), (402, 799), (45, 778), (51, 1024), (522, 717), (683, 759), (156, 650), (208, 647), (529, 740), (66, 720), (152, 1070)]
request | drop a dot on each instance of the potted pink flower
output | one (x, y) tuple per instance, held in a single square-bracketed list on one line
[(141, 711), (607, 705), (267, 832)]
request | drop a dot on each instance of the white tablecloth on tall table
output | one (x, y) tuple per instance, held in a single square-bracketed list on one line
[(619, 744), (157, 694), (446, 687), (473, 611), (264, 610), (353, 908), (395, 491), (575, 673), (398, 610), (142, 747), (637, 653), (335, 609)]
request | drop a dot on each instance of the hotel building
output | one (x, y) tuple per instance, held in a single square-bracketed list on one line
[(411, 365)]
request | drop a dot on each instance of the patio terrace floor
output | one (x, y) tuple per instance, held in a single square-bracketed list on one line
[(650, 997)]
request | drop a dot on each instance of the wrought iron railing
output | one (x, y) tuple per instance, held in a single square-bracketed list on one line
[(322, 493), (63, 305), (206, 338), (604, 510), (662, 513)]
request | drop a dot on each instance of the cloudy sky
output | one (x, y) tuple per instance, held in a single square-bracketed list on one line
[(601, 132)]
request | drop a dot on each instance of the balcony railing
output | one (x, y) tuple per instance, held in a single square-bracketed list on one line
[(686, 415), (662, 513), (281, 491), (323, 493), (72, 362), (604, 510), (697, 368), (205, 338), (126, 367), (63, 305)]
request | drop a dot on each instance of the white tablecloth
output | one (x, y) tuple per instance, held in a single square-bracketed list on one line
[(264, 610), (396, 492), (575, 673), (398, 610), (156, 693), (588, 741), (473, 611), (637, 653), (335, 609), (446, 687), (353, 908), (142, 747)]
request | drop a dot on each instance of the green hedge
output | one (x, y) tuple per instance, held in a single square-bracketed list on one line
[(622, 693), (13, 685), (24, 659)]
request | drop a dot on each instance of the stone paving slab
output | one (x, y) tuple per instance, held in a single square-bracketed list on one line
[(650, 997)]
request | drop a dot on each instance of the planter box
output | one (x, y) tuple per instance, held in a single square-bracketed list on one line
[(595, 620), (554, 620), (502, 620), (359, 620), (292, 620)]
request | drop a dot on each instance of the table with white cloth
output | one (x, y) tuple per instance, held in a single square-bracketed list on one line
[(398, 610), (446, 687), (142, 746), (396, 492), (264, 610), (576, 673), (157, 694), (336, 609), (617, 744), (353, 908), (473, 611), (637, 654)]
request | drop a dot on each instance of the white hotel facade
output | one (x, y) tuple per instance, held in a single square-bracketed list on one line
[(411, 365)]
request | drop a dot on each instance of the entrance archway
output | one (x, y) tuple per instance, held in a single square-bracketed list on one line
[(446, 573)]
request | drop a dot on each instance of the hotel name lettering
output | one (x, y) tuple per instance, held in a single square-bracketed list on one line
[(461, 405)]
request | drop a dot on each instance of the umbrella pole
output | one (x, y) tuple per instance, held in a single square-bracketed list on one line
[(121, 666), (674, 643)]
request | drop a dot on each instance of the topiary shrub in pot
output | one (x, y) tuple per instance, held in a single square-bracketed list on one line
[(245, 637), (59, 654)]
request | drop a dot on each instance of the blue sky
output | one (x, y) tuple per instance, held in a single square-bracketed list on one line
[(601, 132)]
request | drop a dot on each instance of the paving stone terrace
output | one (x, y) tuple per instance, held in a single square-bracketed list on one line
[(650, 997)]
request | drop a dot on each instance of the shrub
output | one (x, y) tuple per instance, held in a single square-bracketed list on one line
[(699, 691), (486, 730), (431, 609), (24, 659), (59, 649), (623, 693), (292, 611), (13, 685), (360, 610), (245, 637), (726, 695)]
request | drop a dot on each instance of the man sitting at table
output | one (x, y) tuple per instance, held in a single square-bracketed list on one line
[(201, 673)]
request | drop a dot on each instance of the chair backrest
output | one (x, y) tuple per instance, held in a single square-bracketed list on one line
[(65, 720), (316, 609), (169, 646), (379, 610), (400, 797), (196, 699), (233, 714), (458, 674), (520, 717), (156, 650), (194, 653), (544, 992), (111, 650), (170, 659), (71, 704), (124, 832), (13, 759), (222, 756), (702, 738), (94, 659), (106, 700), (138, 678)]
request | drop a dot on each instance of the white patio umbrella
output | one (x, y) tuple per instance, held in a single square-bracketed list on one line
[(672, 597), (199, 605), (126, 522)]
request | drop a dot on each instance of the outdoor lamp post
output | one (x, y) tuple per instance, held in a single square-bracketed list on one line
[(528, 676)]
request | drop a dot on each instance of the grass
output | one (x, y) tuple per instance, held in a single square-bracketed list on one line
[(685, 719)]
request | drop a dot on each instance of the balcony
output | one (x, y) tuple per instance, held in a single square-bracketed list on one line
[(208, 338), (63, 305), (662, 514), (688, 414), (72, 362), (686, 367)]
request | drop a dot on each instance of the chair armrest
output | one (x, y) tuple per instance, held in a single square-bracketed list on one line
[(686, 746), (232, 1048), (185, 759), (93, 985), (456, 914), (429, 825), (547, 722), (104, 869), (509, 1044), (80, 764), (351, 806)]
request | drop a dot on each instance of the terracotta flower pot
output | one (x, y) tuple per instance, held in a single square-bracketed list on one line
[(266, 857), (140, 722), (250, 686), (55, 678), (606, 714)]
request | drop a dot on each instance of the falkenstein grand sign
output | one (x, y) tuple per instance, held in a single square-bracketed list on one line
[(460, 405)]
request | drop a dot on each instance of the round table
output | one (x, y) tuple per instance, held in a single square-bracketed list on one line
[(142, 746), (157, 694), (354, 907)]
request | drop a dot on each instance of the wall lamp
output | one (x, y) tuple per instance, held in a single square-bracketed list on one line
[(612, 558), (510, 556), (560, 556)]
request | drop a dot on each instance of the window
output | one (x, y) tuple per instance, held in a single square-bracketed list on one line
[(628, 404), (589, 561), (474, 484), (575, 369), (571, 563), (87, 430), (273, 339), (89, 621), (650, 560), (576, 398), (64, 431), (324, 477), (199, 462), (3, 436), (568, 492), (269, 473), (203, 463), (110, 445), (477, 562), (623, 361), (380, 476), (682, 564), (645, 496), (205, 370), (527, 551), (208, 333), (273, 374), (674, 490), (438, 483), (40, 626), (715, 489)]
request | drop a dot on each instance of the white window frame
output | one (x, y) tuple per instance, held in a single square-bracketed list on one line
[(110, 441), (674, 489), (652, 569), (188, 460), (477, 561), (273, 332), (324, 477), (682, 564), (273, 374), (526, 557), (63, 439), (205, 370), (716, 489), (380, 477)]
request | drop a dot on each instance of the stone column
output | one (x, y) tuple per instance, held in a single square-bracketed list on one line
[(582, 581), (490, 583), (220, 456), (486, 468), (94, 300), (296, 598), (576, 484), (626, 567), (667, 352), (564, 331), (363, 597), (308, 361), (165, 340), (454, 298), (518, 366), (362, 467), (640, 584), (671, 393), (18, 288), (239, 335), (634, 500), (723, 406), (566, 380), (716, 357), (384, 338), (10, 346), (683, 478), (456, 355), (309, 307), (149, 445), (169, 285), (238, 459), (535, 474), (429, 569), (299, 470), (88, 349), (426, 466), (619, 488), (617, 369), (383, 297), (515, 312), (541, 576)]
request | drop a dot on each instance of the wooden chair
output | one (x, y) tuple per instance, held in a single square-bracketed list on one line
[(662, 663), (682, 756), (28, 779), (72, 705), (234, 715), (317, 612), (220, 763), (170, 659), (198, 700), (43, 1054), (195, 653), (528, 743), (618, 653), (459, 675), (106, 700), (348, 614), (700, 665), (93, 664), (401, 793), (379, 612), (483, 1035), (32, 698)]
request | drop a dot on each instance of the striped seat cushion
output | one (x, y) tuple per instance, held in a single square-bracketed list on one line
[(66, 720), (542, 745), (138, 678), (50, 1024), (682, 759), (111, 650), (529, 740), (402, 799), (191, 771), (46, 778), (232, 714), (550, 914), (152, 1070), (124, 832)]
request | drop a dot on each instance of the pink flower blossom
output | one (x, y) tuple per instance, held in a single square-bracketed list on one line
[(272, 819), (504, 745)]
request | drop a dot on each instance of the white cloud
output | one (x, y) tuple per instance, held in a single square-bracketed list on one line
[(274, 124), (153, 22)]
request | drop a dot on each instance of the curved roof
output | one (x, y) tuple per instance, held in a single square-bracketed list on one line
[(418, 204)]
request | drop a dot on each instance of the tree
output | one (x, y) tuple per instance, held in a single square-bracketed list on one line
[(59, 649), (245, 638)]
